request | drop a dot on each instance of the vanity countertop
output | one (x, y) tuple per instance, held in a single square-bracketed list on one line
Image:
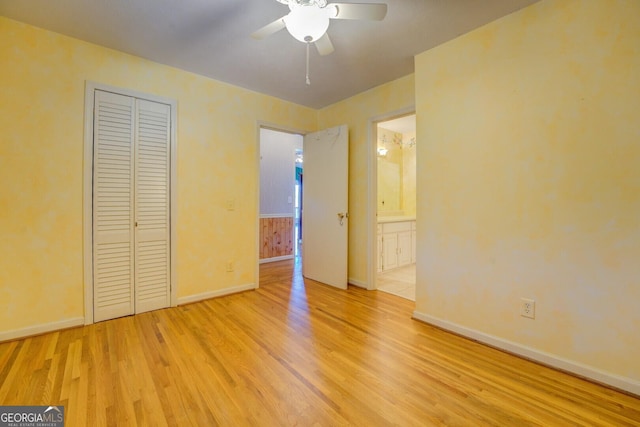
[(385, 219)]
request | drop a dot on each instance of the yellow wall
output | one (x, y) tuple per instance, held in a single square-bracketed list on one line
[(42, 82), (409, 174), (355, 113), (529, 181), (390, 171), (396, 172)]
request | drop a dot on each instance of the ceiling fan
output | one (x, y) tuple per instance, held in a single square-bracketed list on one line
[(308, 21)]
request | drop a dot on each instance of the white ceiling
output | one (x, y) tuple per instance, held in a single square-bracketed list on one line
[(212, 38)]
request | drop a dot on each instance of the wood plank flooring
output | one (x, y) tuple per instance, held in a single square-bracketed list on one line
[(293, 352)]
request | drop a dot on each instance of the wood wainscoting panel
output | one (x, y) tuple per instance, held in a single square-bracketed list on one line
[(276, 237)]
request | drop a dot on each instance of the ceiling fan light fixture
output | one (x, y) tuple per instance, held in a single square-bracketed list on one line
[(319, 3), (307, 23)]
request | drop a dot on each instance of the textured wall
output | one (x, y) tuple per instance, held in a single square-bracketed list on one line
[(409, 173), (529, 181), (390, 173), (42, 83)]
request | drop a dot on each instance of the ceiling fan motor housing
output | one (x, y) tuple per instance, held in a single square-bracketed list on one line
[(319, 3), (307, 23)]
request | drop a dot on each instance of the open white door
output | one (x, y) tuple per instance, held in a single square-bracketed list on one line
[(324, 209)]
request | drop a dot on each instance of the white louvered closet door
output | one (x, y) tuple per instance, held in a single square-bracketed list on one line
[(131, 255), (113, 203), (152, 280)]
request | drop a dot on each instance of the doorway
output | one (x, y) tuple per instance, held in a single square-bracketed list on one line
[(280, 192), (395, 258), (320, 202), (298, 199)]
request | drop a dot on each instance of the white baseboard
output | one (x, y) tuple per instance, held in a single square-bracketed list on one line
[(80, 321), (622, 383), (213, 294), (275, 258), (41, 329), (358, 283)]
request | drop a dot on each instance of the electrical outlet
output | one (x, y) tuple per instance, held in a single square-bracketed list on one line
[(527, 308), (229, 266)]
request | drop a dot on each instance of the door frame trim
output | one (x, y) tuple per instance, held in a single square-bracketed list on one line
[(372, 188), (87, 215)]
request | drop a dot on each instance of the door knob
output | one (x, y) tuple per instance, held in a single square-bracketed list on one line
[(342, 216)]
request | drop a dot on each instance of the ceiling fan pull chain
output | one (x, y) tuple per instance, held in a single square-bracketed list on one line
[(308, 81)]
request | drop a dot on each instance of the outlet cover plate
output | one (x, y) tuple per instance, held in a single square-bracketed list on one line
[(527, 308)]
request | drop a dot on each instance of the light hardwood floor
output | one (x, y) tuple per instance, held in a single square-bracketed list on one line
[(293, 352)]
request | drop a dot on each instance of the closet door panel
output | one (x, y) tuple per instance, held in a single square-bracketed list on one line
[(113, 244), (152, 277)]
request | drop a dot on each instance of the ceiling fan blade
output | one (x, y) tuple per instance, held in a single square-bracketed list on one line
[(269, 29), (324, 45), (369, 11)]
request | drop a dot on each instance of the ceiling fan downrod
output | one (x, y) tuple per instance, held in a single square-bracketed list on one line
[(308, 81), (308, 21)]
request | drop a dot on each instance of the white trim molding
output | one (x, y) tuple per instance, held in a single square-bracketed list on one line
[(275, 258), (214, 294), (44, 328), (277, 215), (612, 380), (358, 283)]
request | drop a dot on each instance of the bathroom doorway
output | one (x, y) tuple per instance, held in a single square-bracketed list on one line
[(396, 206)]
